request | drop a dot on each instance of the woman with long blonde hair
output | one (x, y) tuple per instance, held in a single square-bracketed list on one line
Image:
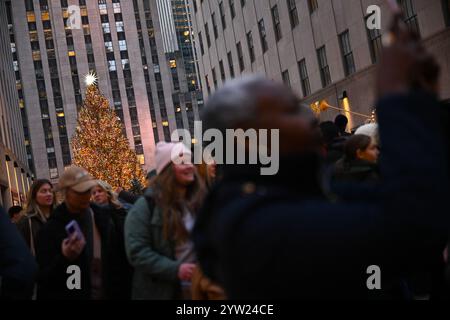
[(41, 201), (158, 228), (104, 197)]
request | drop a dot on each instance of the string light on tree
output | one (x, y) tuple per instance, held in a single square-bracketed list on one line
[(99, 144)]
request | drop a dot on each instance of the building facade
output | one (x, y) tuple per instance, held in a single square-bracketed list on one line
[(15, 176), (141, 52), (321, 48)]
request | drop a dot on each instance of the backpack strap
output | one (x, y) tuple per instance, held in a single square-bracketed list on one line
[(150, 204)]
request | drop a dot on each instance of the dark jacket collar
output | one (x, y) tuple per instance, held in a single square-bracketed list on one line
[(297, 173)]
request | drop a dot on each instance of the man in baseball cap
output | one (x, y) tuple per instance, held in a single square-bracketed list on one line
[(78, 233)]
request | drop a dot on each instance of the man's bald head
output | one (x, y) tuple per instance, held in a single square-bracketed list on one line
[(259, 103)]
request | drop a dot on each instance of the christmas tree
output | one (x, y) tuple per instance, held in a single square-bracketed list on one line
[(99, 144)]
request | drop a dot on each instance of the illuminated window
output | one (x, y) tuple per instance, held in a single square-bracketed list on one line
[(116, 7), (112, 65), (109, 46), (65, 14), (45, 15), (122, 45), (165, 123), (72, 53), (31, 17), (173, 64), (36, 55), (141, 159), (54, 173), (119, 26), (102, 8), (106, 28), (60, 114), (84, 12)]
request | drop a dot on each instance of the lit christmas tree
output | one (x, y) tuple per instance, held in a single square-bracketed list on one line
[(99, 144)]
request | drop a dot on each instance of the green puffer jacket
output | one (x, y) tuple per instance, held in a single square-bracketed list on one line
[(153, 258)]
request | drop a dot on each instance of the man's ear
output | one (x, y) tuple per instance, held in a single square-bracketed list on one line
[(358, 153)]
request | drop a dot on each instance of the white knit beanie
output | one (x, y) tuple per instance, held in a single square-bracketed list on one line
[(370, 130), (171, 152)]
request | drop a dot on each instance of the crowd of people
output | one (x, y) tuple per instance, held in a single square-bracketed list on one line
[(340, 203)]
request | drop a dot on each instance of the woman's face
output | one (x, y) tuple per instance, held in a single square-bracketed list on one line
[(99, 195), (44, 196), (184, 174), (370, 154)]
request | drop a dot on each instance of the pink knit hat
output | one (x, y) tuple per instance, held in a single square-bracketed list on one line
[(171, 152)]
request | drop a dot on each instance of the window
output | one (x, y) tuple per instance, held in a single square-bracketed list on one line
[(230, 64), (214, 22), (119, 26), (285, 77), (222, 15), (293, 14), (263, 35), (116, 8), (347, 54), (375, 43), (232, 9), (102, 8), (313, 5), (106, 28), (222, 71), (208, 86), (53, 172), (29, 5), (251, 47), (446, 8), (109, 46), (208, 38), (276, 23), (323, 66), (410, 15), (214, 78), (112, 65), (200, 41), (122, 45), (240, 57), (304, 79)]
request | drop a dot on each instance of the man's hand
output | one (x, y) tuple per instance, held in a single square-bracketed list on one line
[(185, 271), (72, 247), (405, 65)]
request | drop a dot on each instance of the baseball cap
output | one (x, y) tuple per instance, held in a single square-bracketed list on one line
[(78, 179)]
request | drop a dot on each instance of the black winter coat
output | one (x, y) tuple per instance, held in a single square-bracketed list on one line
[(17, 266), (281, 237), (52, 282)]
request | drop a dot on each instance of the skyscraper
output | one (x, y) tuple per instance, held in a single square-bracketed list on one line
[(321, 48), (15, 176), (141, 51)]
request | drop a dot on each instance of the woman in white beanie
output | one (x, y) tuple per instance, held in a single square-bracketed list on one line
[(157, 229)]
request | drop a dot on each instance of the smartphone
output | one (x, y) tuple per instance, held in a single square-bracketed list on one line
[(74, 228)]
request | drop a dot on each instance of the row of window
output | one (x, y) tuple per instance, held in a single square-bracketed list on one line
[(22, 104), (374, 36)]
